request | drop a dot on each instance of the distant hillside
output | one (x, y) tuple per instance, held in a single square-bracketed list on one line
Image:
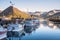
[(52, 12), (35, 14), (44, 15), (55, 17), (13, 12)]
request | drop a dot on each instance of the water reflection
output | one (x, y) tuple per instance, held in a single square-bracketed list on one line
[(42, 32)]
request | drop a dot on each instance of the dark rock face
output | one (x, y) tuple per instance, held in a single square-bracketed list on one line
[(7, 11)]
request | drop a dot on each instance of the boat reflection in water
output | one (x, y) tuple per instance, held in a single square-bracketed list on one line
[(16, 35), (41, 32), (14, 30)]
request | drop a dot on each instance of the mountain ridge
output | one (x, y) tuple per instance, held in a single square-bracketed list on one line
[(14, 12)]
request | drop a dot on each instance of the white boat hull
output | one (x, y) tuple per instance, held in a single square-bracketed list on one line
[(2, 36)]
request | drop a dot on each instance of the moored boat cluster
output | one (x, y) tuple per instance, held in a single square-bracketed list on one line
[(16, 27)]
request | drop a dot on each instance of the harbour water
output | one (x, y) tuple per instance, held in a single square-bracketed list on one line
[(43, 32)]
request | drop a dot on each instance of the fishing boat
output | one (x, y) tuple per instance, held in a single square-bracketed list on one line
[(3, 33), (32, 22), (29, 23), (14, 29)]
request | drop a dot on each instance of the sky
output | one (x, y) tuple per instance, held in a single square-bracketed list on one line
[(31, 5)]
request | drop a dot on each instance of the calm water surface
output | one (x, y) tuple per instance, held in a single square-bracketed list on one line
[(43, 32)]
